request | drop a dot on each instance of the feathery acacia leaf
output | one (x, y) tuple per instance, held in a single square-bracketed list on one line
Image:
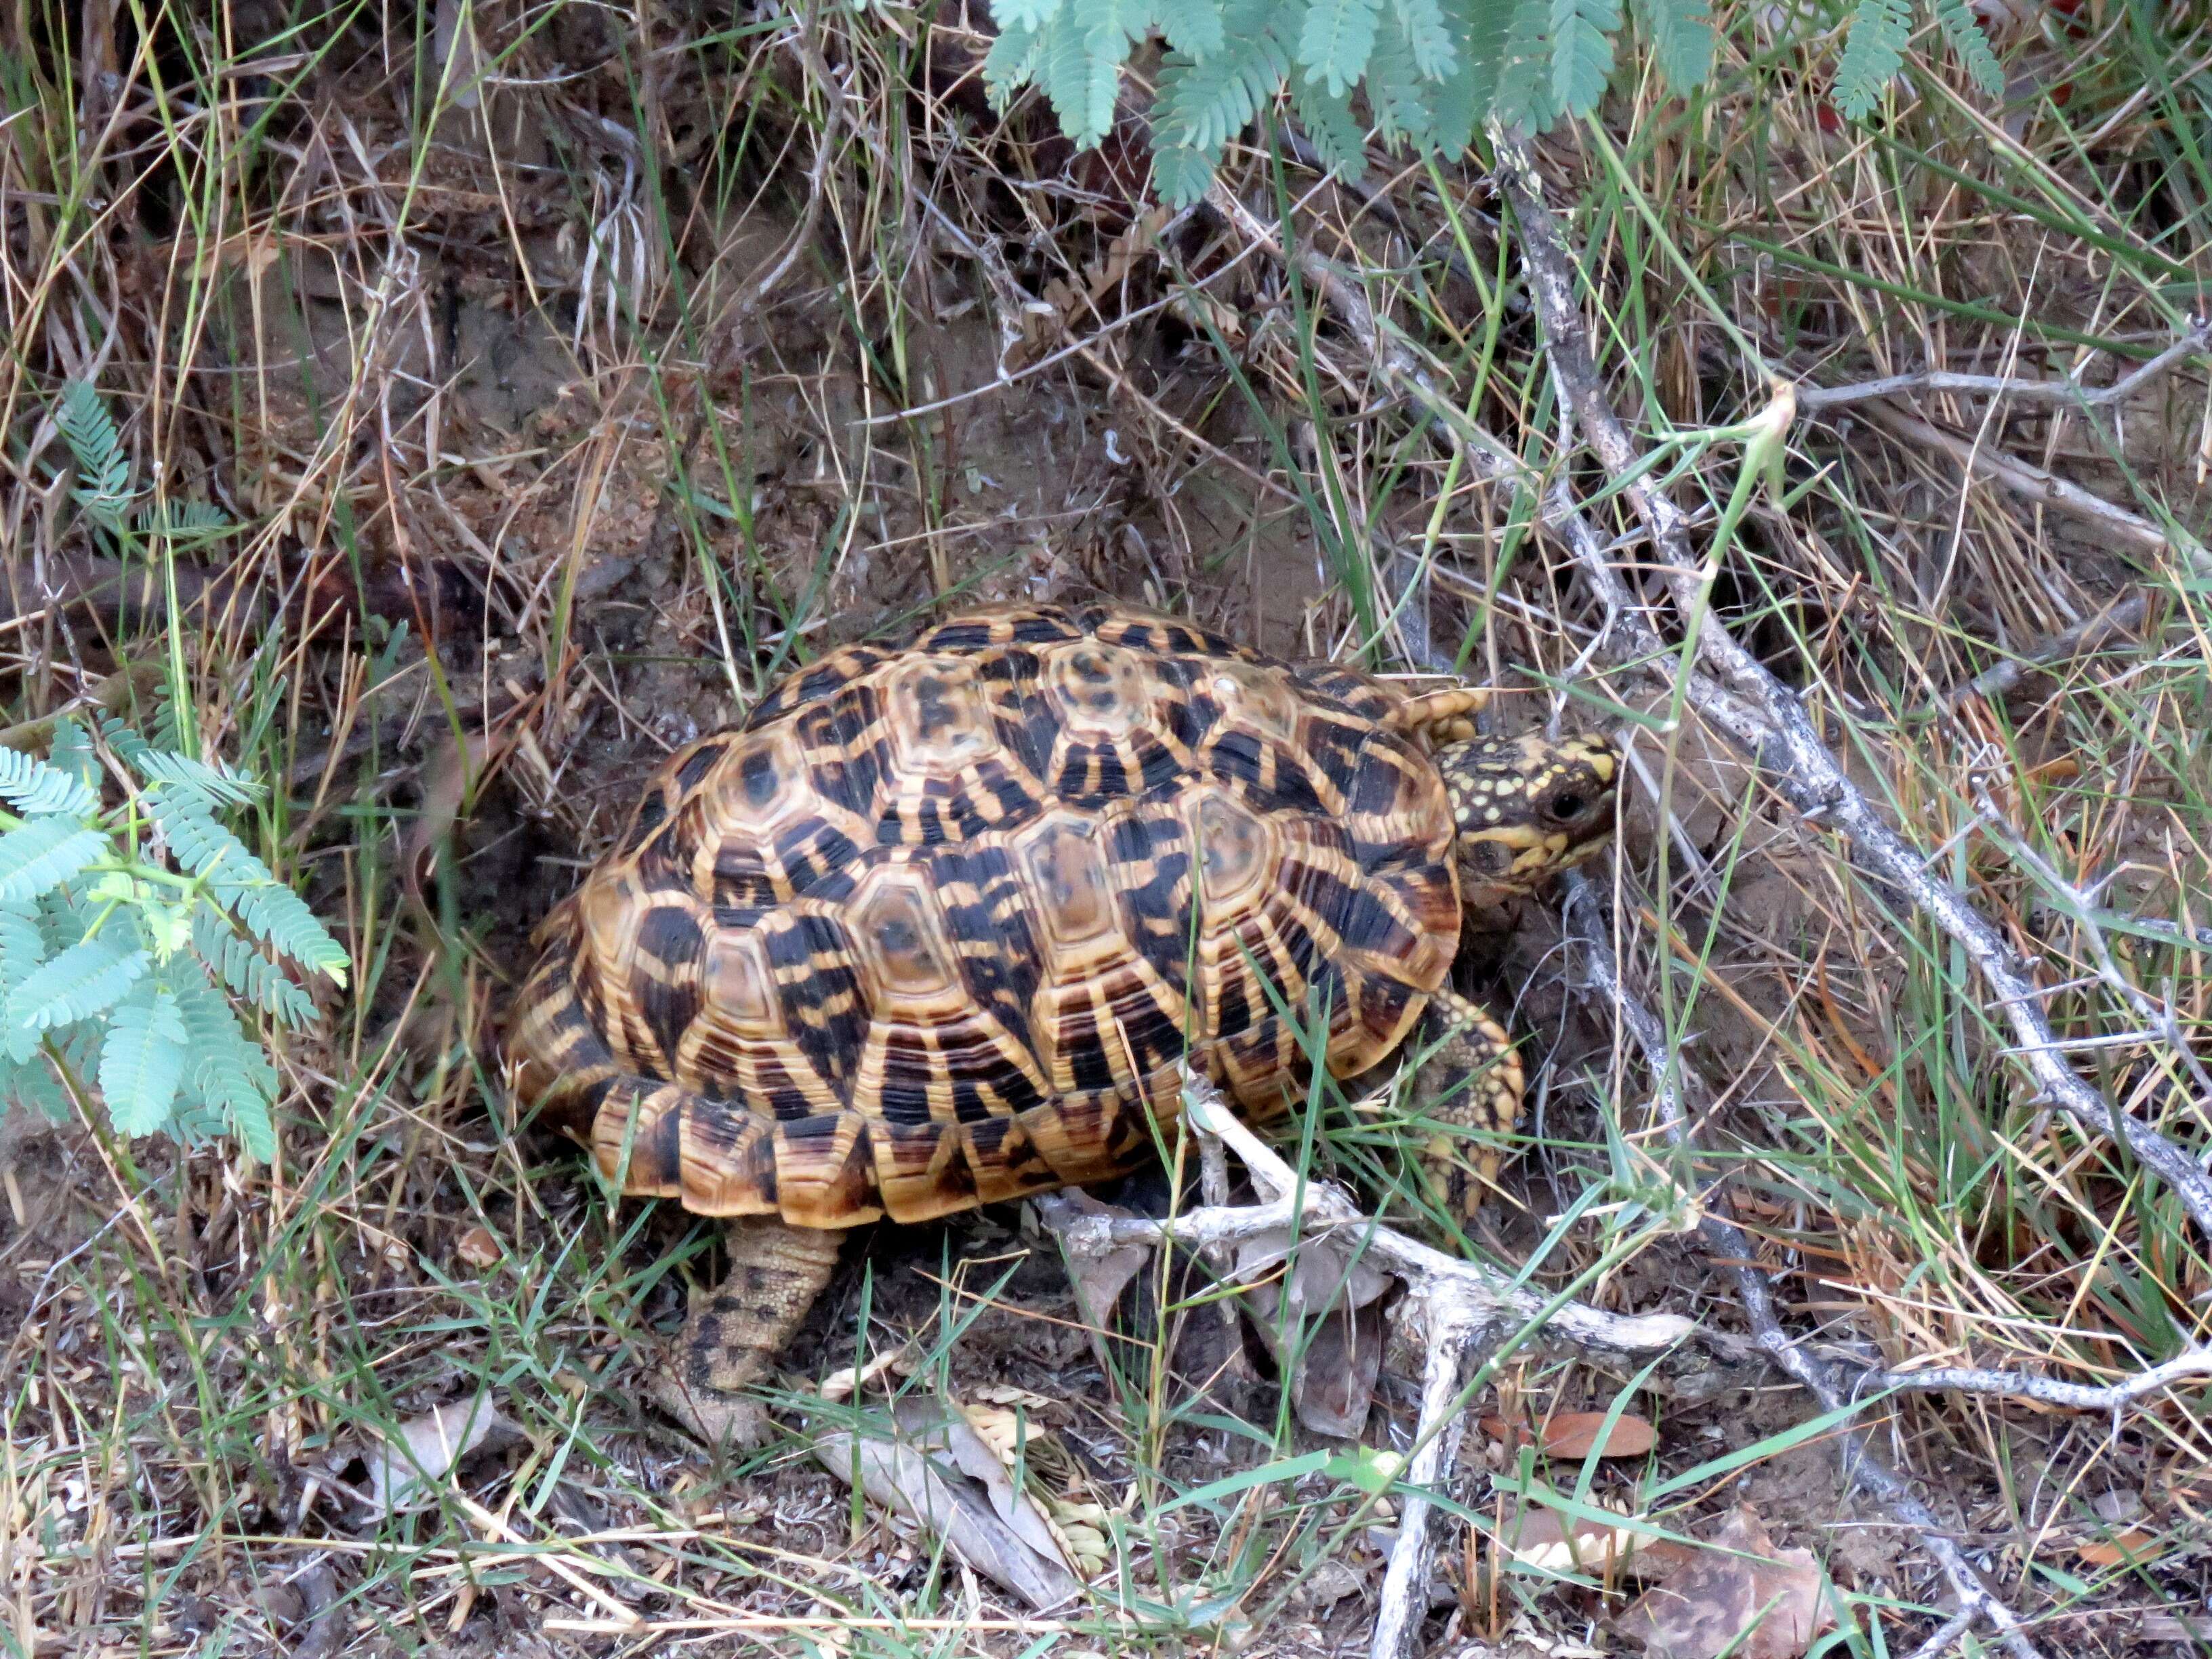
[(142, 1063), (33, 788), (1334, 43), (1201, 105), (95, 444), (1964, 31), (1581, 51), (1334, 130), (87, 979), (1421, 22), (1681, 40), (1872, 54), (44, 853)]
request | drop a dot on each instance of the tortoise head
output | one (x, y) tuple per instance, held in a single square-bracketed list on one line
[(1527, 808)]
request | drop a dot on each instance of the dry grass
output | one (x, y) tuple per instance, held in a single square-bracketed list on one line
[(561, 411)]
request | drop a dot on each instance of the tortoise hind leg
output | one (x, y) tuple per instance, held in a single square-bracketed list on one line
[(1472, 1077), (735, 1329)]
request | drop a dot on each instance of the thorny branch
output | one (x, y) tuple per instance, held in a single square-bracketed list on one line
[(1781, 734)]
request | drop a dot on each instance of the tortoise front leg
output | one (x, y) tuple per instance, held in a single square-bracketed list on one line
[(735, 1329), (1436, 717), (1472, 1076)]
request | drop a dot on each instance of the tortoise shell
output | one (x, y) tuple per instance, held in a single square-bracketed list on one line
[(940, 923)]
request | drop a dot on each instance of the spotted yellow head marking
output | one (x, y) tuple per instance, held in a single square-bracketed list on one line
[(1526, 807)]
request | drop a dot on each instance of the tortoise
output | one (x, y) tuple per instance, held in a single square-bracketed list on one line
[(943, 922)]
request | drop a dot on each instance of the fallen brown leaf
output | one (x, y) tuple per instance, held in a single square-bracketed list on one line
[(1740, 1595), (1550, 1541), (479, 1248), (1573, 1435), (2130, 1547), (927, 1463), (404, 1471), (1330, 1305)]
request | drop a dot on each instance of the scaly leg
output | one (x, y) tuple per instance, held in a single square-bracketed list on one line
[(1473, 1077), (1436, 717), (737, 1328)]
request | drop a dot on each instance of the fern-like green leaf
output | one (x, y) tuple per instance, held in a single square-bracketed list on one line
[(1080, 70), (184, 525), (87, 979), (1010, 64), (1524, 80), (1335, 131), (44, 853), (1433, 43), (1193, 28), (276, 914), (1182, 172), (1200, 107), (245, 971), (1872, 54), (270, 911), (95, 443), (1964, 31), (123, 740), (142, 1063), (1028, 14), (1581, 51), (34, 1084), (1397, 91), (1681, 40), (33, 788), (22, 953), (1334, 43), (71, 751), (197, 780), (228, 1070), (1482, 30)]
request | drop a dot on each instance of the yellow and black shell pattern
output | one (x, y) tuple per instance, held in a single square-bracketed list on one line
[(940, 923)]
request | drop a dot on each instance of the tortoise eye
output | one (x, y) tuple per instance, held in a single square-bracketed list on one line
[(1565, 805)]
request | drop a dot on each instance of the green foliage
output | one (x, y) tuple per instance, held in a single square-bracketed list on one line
[(137, 941), (1880, 30), (1964, 31), (1872, 54), (1582, 50), (1422, 75), (1335, 43), (1682, 37), (95, 443)]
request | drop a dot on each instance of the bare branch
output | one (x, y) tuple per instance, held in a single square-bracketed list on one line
[(2012, 388), (2036, 485), (1455, 1308)]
